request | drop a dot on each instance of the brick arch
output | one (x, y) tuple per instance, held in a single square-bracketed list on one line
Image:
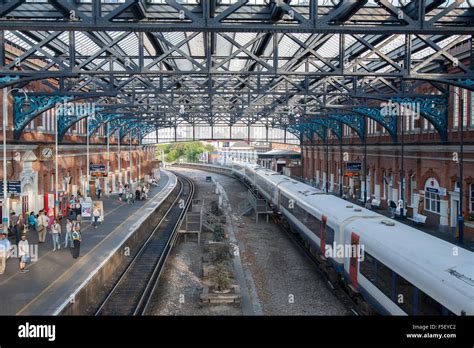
[(428, 174)]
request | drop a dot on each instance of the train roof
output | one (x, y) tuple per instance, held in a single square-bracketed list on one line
[(445, 271)]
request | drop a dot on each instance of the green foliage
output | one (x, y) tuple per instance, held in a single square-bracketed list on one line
[(220, 277), (188, 150), (219, 233), (220, 253)]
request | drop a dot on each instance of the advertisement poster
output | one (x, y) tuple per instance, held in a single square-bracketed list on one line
[(100, 206), (86, 210)]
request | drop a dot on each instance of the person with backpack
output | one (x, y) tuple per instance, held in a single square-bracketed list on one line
[(76, 239)]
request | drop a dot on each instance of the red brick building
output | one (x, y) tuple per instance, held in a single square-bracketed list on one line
[(431, 174)]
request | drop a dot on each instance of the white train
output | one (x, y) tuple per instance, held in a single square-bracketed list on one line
[(397, 269)]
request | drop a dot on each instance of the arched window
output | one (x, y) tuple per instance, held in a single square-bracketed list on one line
[(432, 200)]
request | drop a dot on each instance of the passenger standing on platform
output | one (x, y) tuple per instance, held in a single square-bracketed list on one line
[(32, 221), (78, 210), (95, 216), (138, 192), (76, 239), (5, 246), (55, 233), (68, 237), (50, 218), (393, 208), (120, 191), (14, 227), (99, 189), (72, 213), (24, 254), (43, 222), (21, 224)]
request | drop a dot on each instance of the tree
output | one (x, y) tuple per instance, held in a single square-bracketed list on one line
[(189, 150)]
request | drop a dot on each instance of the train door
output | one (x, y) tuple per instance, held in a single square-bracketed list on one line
[(354, 259), (322, 243)]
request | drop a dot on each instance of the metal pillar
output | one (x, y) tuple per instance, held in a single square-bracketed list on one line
[(139, 157), (461, 174), (365, 162), (88, 158), (327, 160), (5, 178), (130, 157), (119, 159), (56, 145), (402, 168), (107, 183), (341, 171)]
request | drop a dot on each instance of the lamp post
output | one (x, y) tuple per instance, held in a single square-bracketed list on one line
[(88, 188), (107, 182), (56, 159), (5, 207), (119, 158), (461, 172), (341, 174), (130, 157), (402, 168), (327, 160)]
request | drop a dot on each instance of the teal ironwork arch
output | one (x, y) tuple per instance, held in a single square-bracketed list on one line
[(332, 124), (37, 104), (356, 122), (434, 109), (389, 122), (101, 118)]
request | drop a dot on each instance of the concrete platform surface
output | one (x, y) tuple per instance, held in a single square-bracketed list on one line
[(55, 275)]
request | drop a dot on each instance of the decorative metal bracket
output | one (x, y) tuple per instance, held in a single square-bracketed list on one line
[(356, 122), (389, 122), (434, 109), (37, 104)]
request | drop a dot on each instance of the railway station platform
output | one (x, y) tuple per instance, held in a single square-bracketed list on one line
[(55, 278)]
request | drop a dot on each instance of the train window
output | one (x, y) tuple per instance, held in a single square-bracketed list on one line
[(404, 294), (367, 267), (384, 279), (329, 235), (314, 225), (428, 306)]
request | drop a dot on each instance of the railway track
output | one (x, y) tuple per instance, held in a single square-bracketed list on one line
[(132, 292), (335, 287)]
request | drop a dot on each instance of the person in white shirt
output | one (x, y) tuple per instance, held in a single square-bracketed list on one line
[(96, 216), (43, 222), (23, 253), (5, 247), (55, 233)]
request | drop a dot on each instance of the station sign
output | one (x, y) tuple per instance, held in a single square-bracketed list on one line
[(438, 190), (98, 170), (354, 166), (13, 187)]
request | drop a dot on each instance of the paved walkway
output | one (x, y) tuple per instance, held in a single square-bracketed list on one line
[(17, 289)]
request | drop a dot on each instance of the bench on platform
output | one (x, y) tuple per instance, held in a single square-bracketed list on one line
[(375, 203), (418, 219)]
